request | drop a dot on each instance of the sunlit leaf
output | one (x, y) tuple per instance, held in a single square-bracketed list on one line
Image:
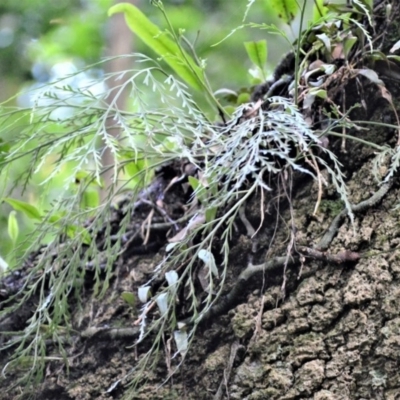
[(28, 209), (161, 43), (211, 214), (13, 229), (319, 10), (4, 149), (257, 52), (199, 189), (91, 199), (243, 98), (74, 230), (285, 9), (349, 42)]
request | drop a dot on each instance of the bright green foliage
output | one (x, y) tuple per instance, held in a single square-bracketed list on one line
[(285, 9), (162, 44), (28, 209), (319, 10), (164, 123), (129, 298), (13, 229), (258, 53)]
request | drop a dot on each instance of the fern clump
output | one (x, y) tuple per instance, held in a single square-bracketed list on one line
[(253, 152)]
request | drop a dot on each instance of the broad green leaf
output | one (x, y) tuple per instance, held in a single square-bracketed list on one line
[(129, 298), (56, 217), (321, 93), (395, 58), (74, 230), (319, 10), (162, 44), (211, 214), (13, 229), (139, 171), (257, 52), (91, 199), (199, 189), (169, 144), (28, 209), (229, 109), (285, 9), (4, 149), (84, 176), (348, 44), (243, 98)]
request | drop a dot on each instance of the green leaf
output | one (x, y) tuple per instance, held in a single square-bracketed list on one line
[(257, 52), (129, 298), (74, 230), (194, 182), (4, 149), (199, 190), (13, 229), (348, 44), (28, 209), (91, 199), (321, 93), (211, 214), (243, 98), (286, 9), (368, 3), (158, 41), (319, 10)]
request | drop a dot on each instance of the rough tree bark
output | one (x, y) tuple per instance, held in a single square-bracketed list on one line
[(327, 327)]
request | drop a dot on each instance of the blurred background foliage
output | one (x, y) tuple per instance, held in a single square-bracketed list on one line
[(44, 40)]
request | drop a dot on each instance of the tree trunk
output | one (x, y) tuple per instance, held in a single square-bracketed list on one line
[(323, 325)]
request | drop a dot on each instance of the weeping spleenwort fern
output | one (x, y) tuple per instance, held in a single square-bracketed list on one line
[(69, 126)]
